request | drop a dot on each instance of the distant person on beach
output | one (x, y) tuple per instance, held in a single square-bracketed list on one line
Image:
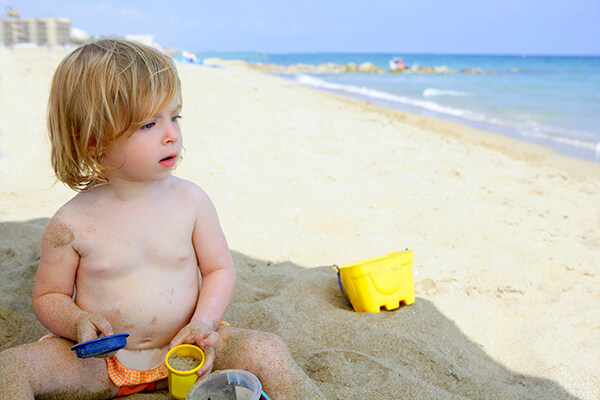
[(396, 63), (125, 254)]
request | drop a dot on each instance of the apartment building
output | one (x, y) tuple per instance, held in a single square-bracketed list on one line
[(39, 31)]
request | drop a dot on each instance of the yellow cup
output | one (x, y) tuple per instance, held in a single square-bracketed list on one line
[(180, 382)]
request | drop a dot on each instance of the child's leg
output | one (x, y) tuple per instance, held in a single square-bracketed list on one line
[(267, 357), (50, 370)]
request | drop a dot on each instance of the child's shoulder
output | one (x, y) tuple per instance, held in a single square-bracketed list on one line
[(60, 230), (77, 204), (82, 202), (183, 187), (191, 196), (78, 210)]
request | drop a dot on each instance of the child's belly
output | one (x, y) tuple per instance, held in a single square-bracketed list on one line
[(152, 306), (143, 360)]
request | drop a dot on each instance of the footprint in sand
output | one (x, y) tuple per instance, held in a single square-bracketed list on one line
[(331, 365), (427, 286), (6, 254)]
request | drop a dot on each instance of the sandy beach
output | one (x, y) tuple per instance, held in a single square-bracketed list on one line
[(505, 235)]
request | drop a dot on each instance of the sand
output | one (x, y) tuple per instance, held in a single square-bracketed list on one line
[(505, 235), (183, 363)]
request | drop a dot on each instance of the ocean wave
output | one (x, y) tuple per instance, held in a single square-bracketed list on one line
[(380, 95), (554, 134), (432, 92)]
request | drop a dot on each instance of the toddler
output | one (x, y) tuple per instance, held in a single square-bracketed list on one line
[(123, 255)]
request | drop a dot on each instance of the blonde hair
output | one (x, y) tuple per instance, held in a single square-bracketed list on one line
[(100, 92)]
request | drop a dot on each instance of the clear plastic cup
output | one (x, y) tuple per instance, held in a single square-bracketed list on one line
[(180, 382), (229, 384)]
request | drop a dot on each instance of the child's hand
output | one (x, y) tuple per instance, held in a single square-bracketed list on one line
[(92, 326), (204, 337)]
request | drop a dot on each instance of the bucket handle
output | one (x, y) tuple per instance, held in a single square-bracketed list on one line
[(337, 270), (263, 395)]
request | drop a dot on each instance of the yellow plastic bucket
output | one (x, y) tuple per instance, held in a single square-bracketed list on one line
[(384, 281), (180, 382)]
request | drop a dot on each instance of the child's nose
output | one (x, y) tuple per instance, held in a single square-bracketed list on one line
[(171, 135)]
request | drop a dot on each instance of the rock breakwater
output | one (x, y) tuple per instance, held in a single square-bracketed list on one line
[(333, 68), (367, 67)]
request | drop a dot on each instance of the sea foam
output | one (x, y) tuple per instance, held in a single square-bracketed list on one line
[(432, 92), (369, 93)]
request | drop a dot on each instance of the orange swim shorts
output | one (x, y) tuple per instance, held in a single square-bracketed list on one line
[(129, 380), (132, 381)]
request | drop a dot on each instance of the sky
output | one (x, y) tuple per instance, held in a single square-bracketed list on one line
[(392, 26)]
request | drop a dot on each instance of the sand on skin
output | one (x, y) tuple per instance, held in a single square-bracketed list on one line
[(506, 236)]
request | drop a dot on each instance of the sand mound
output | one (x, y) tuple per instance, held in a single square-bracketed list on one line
[(413, 352)]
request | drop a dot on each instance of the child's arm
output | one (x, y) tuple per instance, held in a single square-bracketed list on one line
[(218, 280), (54, 285), (216, 267)]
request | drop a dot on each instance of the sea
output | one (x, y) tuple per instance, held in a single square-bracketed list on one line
[(549, 100)]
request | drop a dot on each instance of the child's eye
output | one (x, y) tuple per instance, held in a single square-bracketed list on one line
[(148, 125), (175, 118)]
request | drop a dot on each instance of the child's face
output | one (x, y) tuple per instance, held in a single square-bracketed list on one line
[(150, 153)]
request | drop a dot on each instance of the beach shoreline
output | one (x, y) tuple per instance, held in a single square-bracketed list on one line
[(469, 89), (504, 233), (548, 153), (564, 147)]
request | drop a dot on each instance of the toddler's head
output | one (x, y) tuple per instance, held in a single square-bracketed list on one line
[(99, 92)]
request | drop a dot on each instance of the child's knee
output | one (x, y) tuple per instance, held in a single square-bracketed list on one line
[(14, 376), (254, 346), (269, 344), (10, 360)]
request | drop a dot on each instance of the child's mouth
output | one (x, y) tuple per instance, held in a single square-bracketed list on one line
[(168, 161)]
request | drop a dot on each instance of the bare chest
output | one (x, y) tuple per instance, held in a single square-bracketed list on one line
[(121, 243)]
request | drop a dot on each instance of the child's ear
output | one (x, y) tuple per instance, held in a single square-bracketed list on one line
[(93, 148)]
